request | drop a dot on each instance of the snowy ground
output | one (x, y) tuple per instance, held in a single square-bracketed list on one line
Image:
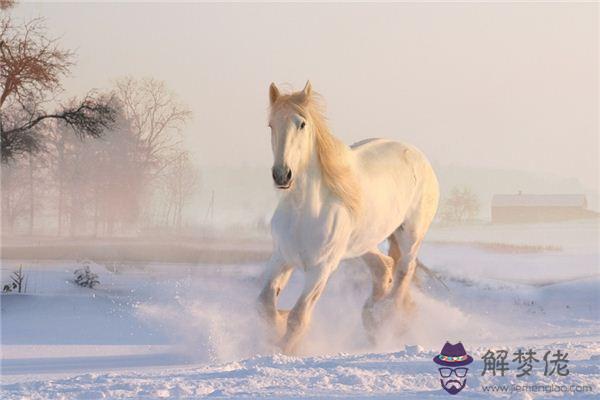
[(188, 331)]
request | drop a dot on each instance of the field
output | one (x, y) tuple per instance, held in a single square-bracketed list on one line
[(188, 330)]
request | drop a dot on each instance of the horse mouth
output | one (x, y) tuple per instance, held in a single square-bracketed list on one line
[(284, 187)]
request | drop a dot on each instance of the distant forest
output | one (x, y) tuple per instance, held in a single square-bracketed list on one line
[(100, 165)]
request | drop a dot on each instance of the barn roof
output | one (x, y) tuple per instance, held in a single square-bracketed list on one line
[(539, 200)]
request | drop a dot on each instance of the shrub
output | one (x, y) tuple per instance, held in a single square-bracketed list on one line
[(18, 282), (84, 277)]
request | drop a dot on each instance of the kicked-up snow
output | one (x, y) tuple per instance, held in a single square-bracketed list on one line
[(190, 331)]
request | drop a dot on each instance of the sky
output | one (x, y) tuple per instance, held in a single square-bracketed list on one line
[(503, 86)]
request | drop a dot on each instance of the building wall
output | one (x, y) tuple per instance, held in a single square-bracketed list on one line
[(518, 214)]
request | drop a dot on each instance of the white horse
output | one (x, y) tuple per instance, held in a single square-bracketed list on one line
[(341, 202)]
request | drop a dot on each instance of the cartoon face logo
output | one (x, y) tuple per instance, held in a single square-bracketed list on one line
[(453, 373)]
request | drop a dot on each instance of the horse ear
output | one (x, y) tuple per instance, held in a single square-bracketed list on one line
[(307, 89), (273, 93)]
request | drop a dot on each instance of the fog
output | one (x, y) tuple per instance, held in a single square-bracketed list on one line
[(134, 233), (501, 97)]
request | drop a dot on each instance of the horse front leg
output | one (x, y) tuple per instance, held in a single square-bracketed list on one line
[(300, 316), (278, 275)]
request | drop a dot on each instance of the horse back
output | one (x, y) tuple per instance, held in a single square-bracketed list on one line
[(395, 178)]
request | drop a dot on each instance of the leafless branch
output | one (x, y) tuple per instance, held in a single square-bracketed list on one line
[(89, 117)]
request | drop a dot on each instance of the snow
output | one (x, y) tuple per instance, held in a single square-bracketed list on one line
[(189, 331)]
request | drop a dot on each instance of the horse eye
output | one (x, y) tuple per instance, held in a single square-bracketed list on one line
[(302, 125)]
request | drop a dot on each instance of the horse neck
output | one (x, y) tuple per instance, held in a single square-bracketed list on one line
[(309, 188)]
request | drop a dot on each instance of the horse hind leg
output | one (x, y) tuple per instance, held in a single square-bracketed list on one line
[(395, 252), (409, 237), (394, 249), (382, 269)]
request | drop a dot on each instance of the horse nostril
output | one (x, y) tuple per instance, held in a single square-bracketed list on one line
[(282, 175)]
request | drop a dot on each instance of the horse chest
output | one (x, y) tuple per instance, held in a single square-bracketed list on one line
[(305, 240)]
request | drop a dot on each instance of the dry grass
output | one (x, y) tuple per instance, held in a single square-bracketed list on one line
[(505, 248), (131, 250)]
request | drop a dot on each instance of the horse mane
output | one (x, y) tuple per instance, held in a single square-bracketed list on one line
[(332, 154)]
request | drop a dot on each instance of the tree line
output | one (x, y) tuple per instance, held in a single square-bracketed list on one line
[(105, 164)]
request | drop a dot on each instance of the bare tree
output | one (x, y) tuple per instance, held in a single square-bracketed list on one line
[(14, 194), (58, 151), (181, 181), (157, 118), (117, 179), (31, 68), (460, 206), (96, 183), (6, 4), (18, 282)]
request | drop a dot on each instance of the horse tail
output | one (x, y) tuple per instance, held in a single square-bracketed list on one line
[(428, 271)]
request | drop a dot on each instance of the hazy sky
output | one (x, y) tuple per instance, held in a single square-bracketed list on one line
[(494, 85)]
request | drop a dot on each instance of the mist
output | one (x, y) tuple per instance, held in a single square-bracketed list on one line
[(137, 193), (519, 105)]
